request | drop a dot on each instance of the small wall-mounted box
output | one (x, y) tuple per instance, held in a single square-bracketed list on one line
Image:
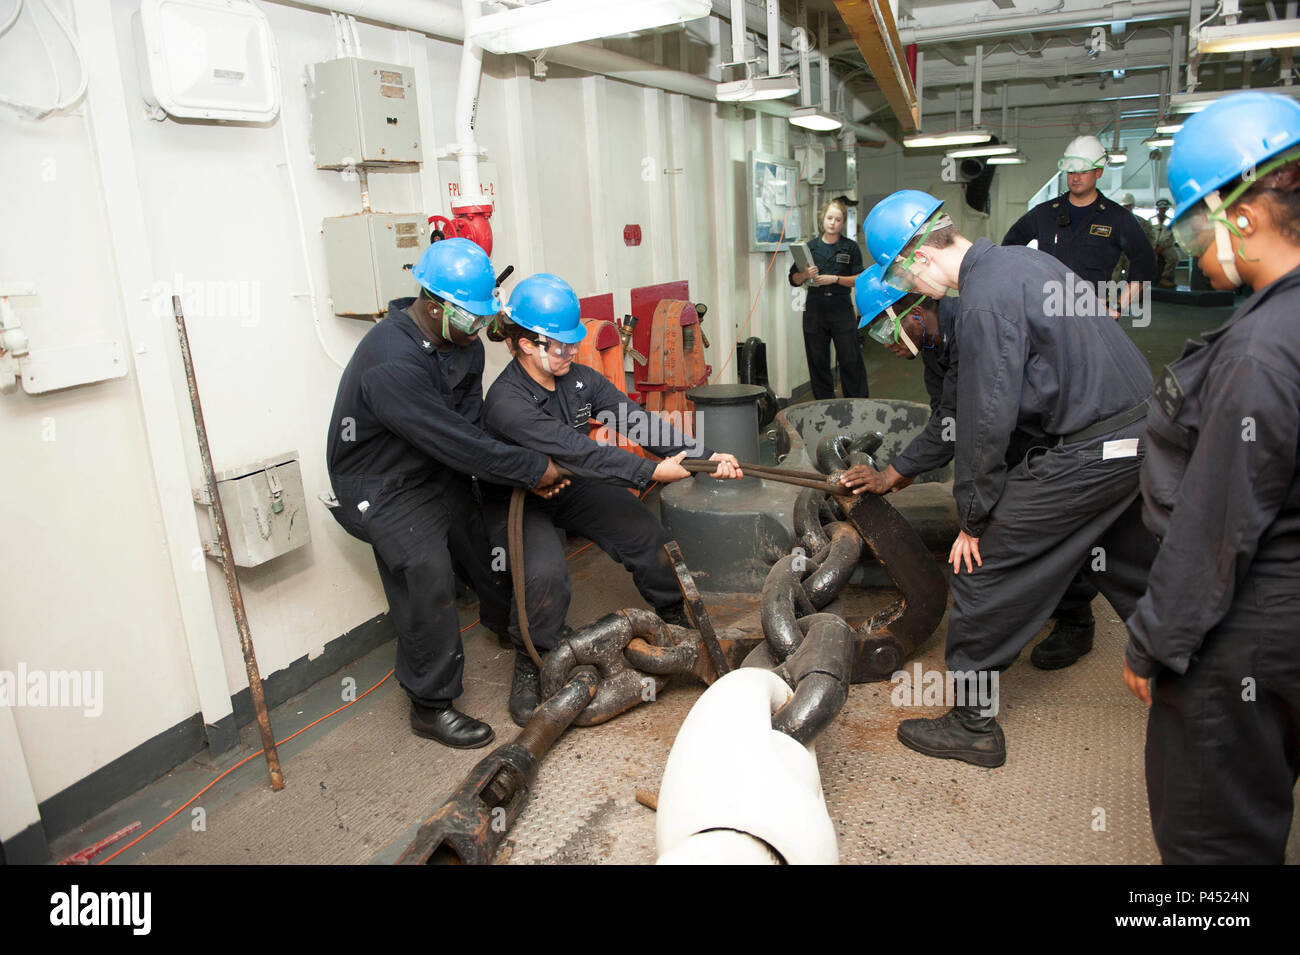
[(265, 509), (363, 113), (369, 257)]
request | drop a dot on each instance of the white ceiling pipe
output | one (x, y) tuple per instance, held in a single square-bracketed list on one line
[(1021, 23), (805, 74), (823, 36)]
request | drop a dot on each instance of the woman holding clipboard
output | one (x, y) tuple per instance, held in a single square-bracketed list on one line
[(828, 311)]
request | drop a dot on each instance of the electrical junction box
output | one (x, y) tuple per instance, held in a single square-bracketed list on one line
[(812, 163), (369, 257), (838, 178), (207, 59), (265, 509), (363, 113)]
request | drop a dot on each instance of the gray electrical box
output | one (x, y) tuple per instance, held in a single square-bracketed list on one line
[(369, 257), (363, 112), (265, 509)]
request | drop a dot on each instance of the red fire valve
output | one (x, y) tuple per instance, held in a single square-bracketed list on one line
[(631, 235), (470, 222)]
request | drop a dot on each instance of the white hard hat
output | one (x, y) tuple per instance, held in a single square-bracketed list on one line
[(1083, 153), (1128, 199)]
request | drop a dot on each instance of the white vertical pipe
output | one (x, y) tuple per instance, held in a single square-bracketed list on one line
[(773, 37), (737, 31), (805, 74), (979, 80), (593, 111), (824, 40), (471, 71), (920, 85)]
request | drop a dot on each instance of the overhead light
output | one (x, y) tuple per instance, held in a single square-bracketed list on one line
[(751, 88), (1116, 158), (1195, 102), (1158, 142), (1168, 129), (557, 22), (956, 137), (810, 117), (1015, 159), (973, 151), (1239, 37)]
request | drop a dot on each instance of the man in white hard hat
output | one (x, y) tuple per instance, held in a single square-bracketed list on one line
[(1083, 228)]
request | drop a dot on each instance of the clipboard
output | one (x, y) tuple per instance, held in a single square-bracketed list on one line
[(802, 259)]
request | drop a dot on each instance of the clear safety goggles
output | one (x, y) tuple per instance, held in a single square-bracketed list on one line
[(460, 319), (901, 273), (1195, 229), (887, 328), (1069, 164), (558, 349)]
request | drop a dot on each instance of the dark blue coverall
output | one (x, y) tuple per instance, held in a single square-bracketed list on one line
[(828, 317), (929, 450), (1055, 377), (403, 444), (596, 504), (1089, 240), (1217, 627)]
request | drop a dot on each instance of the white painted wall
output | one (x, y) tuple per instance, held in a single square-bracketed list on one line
[(89, 580)]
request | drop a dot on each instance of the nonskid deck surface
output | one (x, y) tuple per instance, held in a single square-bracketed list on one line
[(1071, 791)]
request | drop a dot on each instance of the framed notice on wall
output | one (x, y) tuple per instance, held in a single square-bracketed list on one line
[(774, 215)]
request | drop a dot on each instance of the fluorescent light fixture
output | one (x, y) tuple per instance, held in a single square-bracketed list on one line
[(1195, 102), (1259, 35), (956, 137), (974, 151), (1015, 159), (540, 26), (810, 117), (1116, 158), (752, 88), (1168, 129), (1156, 142)]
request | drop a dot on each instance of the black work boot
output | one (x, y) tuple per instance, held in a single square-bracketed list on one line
[(1070, 639), (676, 615), (449, 726), (525, 689), (961, 733)]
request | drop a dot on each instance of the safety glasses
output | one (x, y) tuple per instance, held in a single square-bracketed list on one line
[(558, 349), (453, 316), (900, 274), (887, 327), (1068, 164), (1195, 229)]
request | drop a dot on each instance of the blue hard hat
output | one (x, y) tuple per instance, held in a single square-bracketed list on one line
[(548, 305), (894, 221), (872, 295), (1226, 139), (460, 272)]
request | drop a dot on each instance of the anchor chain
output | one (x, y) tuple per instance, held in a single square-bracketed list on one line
[(626, 658)]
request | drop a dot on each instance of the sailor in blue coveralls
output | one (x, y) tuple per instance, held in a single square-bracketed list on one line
[(546, 402), (1214, 646), (1089, 233), (404, 447)]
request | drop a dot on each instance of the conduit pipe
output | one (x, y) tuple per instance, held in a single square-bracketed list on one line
[(986, 27)]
